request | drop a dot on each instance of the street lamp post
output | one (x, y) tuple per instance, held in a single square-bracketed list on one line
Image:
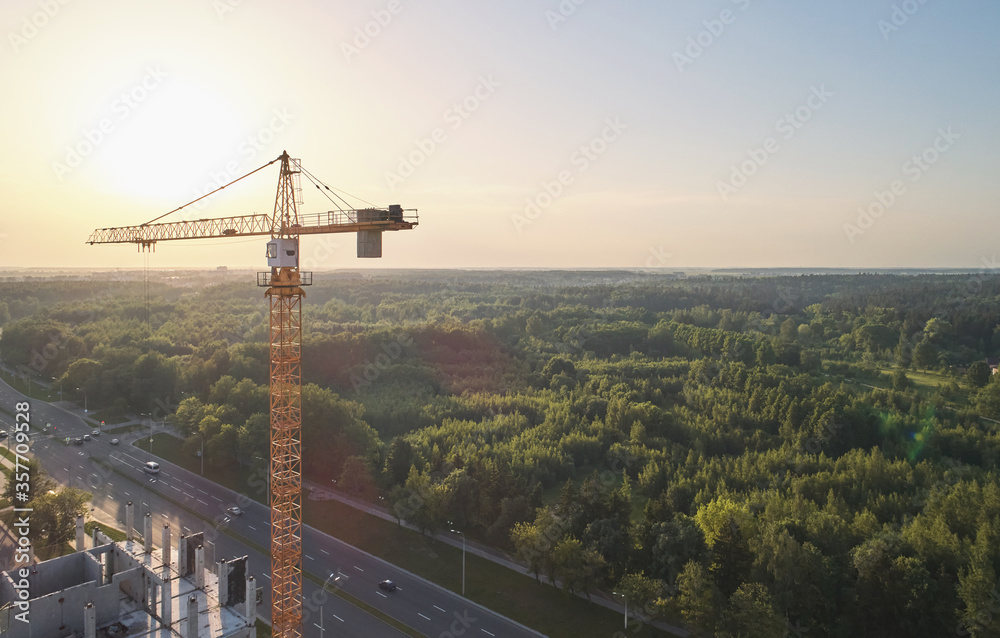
[(625, 596), (455, 531), (84, 399), (202, 455)]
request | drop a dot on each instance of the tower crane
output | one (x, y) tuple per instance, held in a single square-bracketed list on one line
[(284, 284)]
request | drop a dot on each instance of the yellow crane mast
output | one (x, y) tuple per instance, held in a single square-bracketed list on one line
[(284, 284)]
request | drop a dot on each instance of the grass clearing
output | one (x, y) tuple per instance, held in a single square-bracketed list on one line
[(123, 429), (923, 378), (114, 534)]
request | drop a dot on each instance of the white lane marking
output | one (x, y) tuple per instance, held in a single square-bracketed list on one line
[(422, 616), (310, 557), (486, 632), (439, 609), (266, 576), (338, 617), (186, 529), (381, 594), (177, 488), (215, 497), (189, 485), (201, 501), (358, 568), (202, 491), (252, 527), (325, 552), (127, 494)]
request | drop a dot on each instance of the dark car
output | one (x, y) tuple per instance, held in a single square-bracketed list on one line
[(3, 434), (387, 585), (77, 441)]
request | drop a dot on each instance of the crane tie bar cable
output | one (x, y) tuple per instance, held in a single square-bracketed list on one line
[(212, 193)]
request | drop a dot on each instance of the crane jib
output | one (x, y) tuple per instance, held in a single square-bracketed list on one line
[(258, 225)]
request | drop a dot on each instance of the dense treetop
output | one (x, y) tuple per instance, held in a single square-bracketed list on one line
[(749, 454)]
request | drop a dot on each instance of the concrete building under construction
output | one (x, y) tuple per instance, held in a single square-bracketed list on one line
[(115, 590)]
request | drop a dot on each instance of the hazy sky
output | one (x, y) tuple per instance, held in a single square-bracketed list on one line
[(528, 134)]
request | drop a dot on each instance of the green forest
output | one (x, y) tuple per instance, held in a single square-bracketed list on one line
[(811, 455)]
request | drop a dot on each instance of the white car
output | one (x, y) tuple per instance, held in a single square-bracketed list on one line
[(235, 511)]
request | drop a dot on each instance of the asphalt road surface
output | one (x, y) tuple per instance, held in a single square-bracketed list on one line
[(423, 606)]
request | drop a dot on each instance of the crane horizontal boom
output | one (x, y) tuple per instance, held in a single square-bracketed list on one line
[(336, 221)]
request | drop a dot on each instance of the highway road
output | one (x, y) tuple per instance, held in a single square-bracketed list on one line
[(423, 606)]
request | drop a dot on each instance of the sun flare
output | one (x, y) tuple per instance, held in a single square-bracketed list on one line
[(167, 147)]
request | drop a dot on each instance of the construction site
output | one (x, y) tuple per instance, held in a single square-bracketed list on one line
[(130, 588)]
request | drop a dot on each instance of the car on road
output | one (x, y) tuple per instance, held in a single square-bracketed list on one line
[(86, 437), (387, 585), (235, 511), (151, 467), (77, 441), (96, 433), (3, 434), (114, 441)]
